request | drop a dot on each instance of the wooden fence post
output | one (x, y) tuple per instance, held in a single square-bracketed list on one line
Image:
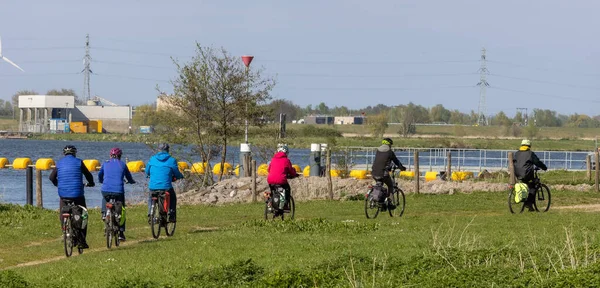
[(511, 169), (38, 186), (254, 196), (328, 173), (449, 168), (417, 174), (597, 171), (588, 167)]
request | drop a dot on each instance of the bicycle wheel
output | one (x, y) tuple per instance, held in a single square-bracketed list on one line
[(116, 229), (397, 200), (170, 226), (267, 206), (292, 210), (154, 219), (371, 207), (108, 231), (67, 236), (542, 198), (513, 206)]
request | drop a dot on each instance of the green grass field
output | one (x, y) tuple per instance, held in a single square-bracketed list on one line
[(441, 241)]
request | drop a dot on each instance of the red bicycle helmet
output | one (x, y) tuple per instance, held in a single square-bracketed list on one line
[(116, 152)]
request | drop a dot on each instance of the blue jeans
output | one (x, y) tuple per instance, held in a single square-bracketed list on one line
[(172, 204), (118, 197)]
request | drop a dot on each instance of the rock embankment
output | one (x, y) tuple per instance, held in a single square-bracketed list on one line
[(238, 190)]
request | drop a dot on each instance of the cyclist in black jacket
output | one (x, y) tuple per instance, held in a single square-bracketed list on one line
[(525, 161), (384, 158)]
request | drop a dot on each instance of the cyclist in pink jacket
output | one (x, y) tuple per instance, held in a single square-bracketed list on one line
[(280, 170)]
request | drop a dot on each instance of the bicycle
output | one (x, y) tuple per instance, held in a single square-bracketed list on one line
[(160, 206), (394, 201), (272, 203), (71, 234), (542, 198), (112, 222)]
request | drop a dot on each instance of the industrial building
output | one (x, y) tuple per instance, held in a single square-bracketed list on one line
[(59, 114), (319, 119), (356, 120)]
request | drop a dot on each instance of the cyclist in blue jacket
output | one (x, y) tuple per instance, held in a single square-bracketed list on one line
[(111, 176), (162, 170), (67, 176)]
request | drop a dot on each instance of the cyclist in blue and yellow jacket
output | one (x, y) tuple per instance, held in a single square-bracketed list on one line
[(67, 176), (111, 176), (162, 170)]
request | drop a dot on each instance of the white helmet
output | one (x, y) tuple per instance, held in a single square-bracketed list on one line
[(282, 148), (526, 142)]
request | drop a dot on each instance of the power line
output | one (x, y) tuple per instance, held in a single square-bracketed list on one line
[(130, 77), (546, 82), (43, 48), (38, 74), (366, 62), (132, 64), (543, 94), (369, 76), (51, 61), (374, 88)]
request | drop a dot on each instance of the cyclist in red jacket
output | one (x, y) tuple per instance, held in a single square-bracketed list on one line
[(280, 170)]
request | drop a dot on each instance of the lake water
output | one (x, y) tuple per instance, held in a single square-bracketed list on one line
[(12, 182)]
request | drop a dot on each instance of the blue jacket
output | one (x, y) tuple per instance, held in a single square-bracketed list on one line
[(67, 176), (111, 176), (161, 169)]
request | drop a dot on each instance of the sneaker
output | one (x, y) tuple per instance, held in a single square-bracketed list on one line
[(530, 208), (122, 236), (83, 245)]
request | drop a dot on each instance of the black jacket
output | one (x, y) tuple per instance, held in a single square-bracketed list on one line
[(524, 162), (383, 158)]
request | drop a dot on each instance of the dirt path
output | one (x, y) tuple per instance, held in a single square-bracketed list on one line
[(195, 229), (586, 207)]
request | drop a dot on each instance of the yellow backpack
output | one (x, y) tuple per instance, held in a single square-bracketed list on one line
[(521, 192)]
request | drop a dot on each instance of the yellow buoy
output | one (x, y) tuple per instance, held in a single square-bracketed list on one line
[(410, 174), (262, 170), (198, 167), (430, 175), (182, 166), (306, 171), (135, 166), (358, 174), (237, 170), (217, 168), (44, 164), (3, 163), (91, 164), (297, 168), (21, 163)]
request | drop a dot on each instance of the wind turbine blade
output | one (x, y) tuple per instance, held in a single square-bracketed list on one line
[(0, 47), (12, 63)]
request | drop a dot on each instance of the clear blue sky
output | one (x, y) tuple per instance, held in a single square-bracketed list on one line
[(543, 54)]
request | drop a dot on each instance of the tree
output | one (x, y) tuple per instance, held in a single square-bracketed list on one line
[(501, 119), (457, 117), (439, 114), (213, 95), (409, 116), (546, 118), (291, 110), (145, 115), (378, 124), (323, 109), (15, 100)]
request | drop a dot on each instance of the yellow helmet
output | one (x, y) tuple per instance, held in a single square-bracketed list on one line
[(526, 142)]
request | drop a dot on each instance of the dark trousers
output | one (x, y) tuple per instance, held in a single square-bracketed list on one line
[(531, 195), (106, 196), (77, 201), (172, 204)]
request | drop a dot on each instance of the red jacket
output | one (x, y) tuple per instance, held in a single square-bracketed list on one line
[(279, 169)]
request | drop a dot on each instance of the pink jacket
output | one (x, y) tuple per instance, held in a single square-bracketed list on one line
[(279, 169)]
